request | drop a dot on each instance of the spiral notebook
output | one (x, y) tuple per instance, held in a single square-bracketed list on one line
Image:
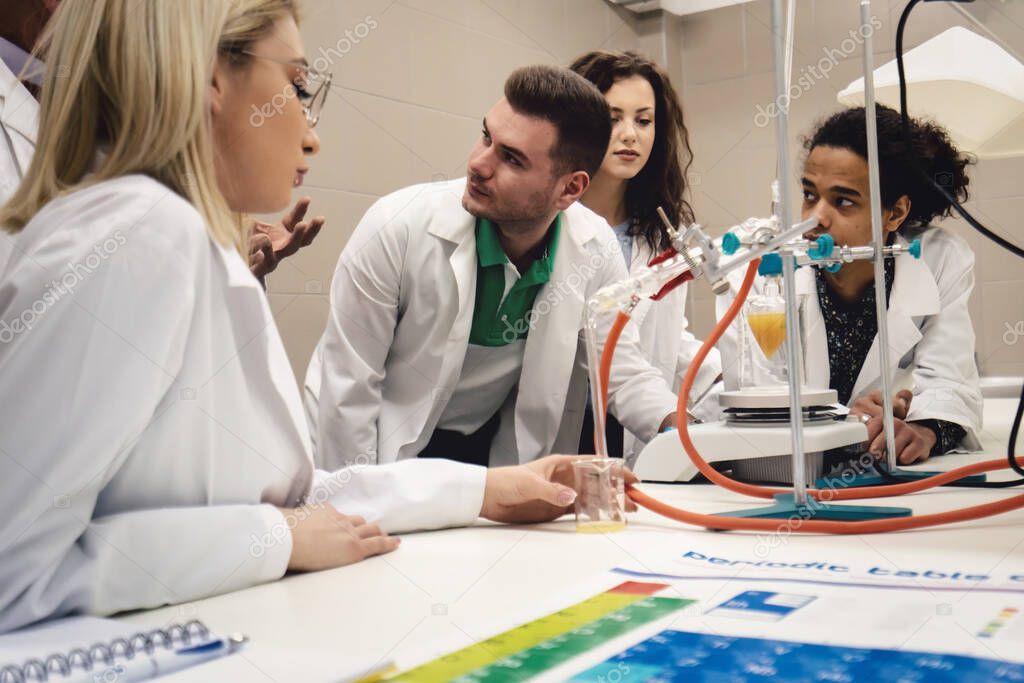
[(69, 649)]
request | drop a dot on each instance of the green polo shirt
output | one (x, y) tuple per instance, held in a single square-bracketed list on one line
[(499, 321)]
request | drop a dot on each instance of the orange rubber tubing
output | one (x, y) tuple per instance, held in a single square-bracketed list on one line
[(805, 525), (607, 353), (797, 524)]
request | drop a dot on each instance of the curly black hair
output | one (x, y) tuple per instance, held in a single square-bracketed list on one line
[(928, 149)]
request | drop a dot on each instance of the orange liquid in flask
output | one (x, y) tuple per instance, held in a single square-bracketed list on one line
[(769, 329)]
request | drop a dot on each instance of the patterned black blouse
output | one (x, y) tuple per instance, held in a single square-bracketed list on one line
[(851, 329)]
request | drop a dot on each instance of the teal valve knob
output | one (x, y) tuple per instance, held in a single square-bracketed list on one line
[(771, 264), (730, 244), (833, 267), (825, 246), (915, 248)]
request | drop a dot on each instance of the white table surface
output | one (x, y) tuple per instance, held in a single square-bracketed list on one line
[(443, 590)]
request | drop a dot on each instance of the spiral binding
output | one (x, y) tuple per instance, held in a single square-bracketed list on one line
[(84, 659)]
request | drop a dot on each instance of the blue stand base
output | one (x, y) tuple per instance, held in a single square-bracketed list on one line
[(785, 507), (874, 479)]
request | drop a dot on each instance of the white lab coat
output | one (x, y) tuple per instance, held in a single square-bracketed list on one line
[(930, 333), (398, 329), (151, 422), (19, 120), (668, 344)]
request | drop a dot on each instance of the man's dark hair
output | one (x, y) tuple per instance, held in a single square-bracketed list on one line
[(573, 105), (928, 149)]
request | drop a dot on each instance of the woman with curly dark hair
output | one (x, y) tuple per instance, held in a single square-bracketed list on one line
[(931, 339), (644, 168)]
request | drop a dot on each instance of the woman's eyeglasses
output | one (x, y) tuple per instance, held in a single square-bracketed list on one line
[(310, 86)]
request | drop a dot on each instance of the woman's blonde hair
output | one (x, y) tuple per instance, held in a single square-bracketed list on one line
[(127, 91)]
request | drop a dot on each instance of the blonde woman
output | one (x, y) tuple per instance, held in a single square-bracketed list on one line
[(152, 440), (20, 28)]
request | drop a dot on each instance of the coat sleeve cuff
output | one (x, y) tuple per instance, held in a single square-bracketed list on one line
[(277, 553), (408, 495)]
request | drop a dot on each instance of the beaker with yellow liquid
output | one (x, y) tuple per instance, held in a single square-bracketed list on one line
[(763, 360)]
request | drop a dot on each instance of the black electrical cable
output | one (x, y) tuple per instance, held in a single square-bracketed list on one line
[(890, 478), (1005, 244), (1014, 431), (899, 65), (905, 118)]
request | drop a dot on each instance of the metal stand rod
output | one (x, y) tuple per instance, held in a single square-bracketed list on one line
[(788, 270), (877, 239)]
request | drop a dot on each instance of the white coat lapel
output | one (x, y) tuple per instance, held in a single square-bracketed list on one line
[(914, 293), (553, 341), (454, 225), (451, 240)]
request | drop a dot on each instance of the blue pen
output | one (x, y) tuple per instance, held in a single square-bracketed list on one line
[(146, 667)]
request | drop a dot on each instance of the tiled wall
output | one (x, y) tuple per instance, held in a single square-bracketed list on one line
[(414, 77), (727, 75)]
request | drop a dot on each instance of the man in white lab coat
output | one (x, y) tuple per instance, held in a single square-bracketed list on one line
[(457, 308)]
